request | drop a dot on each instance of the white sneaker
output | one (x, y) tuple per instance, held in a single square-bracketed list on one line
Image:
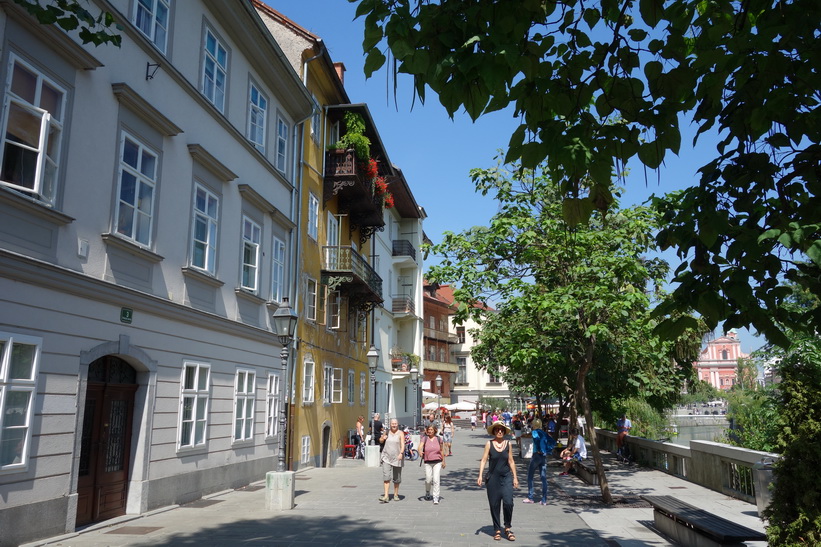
[(436, 501)]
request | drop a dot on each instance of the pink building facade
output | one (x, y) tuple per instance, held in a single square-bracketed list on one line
[(718, 363)]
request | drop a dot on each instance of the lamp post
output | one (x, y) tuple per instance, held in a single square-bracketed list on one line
[(373, 363), (285, 320), (414, 378), (439, 392)]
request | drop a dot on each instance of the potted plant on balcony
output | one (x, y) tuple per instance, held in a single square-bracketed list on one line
[(337, 147), (354, 136)]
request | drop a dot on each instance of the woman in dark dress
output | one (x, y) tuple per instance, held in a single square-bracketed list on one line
[(501, 479)]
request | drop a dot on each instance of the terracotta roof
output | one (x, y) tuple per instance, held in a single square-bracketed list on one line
[(445, 294)]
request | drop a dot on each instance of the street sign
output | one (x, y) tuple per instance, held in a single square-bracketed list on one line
[(126, 315)]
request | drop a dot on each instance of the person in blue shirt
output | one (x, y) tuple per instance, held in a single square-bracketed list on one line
[(507, 417), (542, 445), (623, 427)]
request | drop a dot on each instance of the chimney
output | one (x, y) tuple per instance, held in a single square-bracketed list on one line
[(340, 71)]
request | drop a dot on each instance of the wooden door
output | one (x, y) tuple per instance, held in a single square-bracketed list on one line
[(102, 485)]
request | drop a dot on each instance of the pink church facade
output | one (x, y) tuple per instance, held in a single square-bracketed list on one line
[(718, 363)]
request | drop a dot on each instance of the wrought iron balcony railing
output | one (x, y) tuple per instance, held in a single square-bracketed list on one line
[(346, 270), (403, 304), (403, 247), (345, 180)]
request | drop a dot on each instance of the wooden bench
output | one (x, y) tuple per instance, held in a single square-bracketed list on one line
[(586, 471), (689, 525)]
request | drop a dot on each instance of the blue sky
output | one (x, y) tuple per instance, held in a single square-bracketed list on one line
[(436, 153)]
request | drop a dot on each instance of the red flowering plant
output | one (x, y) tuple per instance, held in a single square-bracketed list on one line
[(370, 169), (380, 186), (388, 201)]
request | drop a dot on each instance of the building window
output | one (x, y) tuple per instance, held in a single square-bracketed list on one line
[(462, 375), (244, 399), (443, 355), (151, 18), (333, 133), (432, 322), (257, 118), (336, 387), (19, 362), (305, 456), (334, 316), (351, 386), (214, 71), (282, 144), (310, 301), (251, 234), (316, 120), (204, 245), (194, 398), (32, 133), (332, 231), (327, 378), (493, 379), (432, 353), (362, 385), (460, 335), (308, 381), (313, 216), (272, 406), (278, 271), (724, 354), (137, 184)]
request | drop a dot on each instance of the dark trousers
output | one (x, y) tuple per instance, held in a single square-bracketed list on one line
[(500, 492)]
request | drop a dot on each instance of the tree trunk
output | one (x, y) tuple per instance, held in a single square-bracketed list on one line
[(588, 416)]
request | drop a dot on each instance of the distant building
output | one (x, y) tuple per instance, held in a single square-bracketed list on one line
[(718, 362)]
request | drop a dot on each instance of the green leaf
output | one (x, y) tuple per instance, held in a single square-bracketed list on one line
[(591, 17), (374, 62), (651, 154), (577, 210), (651, 11)]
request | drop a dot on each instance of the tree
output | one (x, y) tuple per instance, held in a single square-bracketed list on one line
[(574, 302), (597, 84), (71, 15), (794, 513)]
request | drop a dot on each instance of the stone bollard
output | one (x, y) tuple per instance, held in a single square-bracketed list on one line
[(372, 456), (280, 489)]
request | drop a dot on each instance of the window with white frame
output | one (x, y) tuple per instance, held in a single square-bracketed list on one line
[(332, 230), (251, 235), (316, 120), (334, 316), (272, 411), (136, 192), (194, 400), (204, 239), (19, 363), (308, 381), (336, 387), (351, 385), (313, 216), (32, 132), (305, 454), (462, 375), (151, 18), (362, 386), (327, 383), (333, 133), (214, 70), (310, 300), (278, 270), (257, 118), (244, 399), (282, 144)]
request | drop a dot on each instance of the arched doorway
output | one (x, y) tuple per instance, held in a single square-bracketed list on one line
[(105, 451)]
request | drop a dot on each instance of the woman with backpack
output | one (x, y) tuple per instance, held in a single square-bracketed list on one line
[(434, 458)]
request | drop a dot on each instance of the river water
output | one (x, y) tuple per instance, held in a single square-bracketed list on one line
[(687, 433)]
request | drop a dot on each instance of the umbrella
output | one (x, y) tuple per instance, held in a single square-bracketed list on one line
[(429, 395), (462, 405), (431, 406)]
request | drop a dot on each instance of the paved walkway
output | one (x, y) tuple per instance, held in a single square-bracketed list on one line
[(339, 507)]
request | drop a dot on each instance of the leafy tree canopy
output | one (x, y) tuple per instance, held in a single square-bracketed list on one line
[(570, 68), (72, 15)]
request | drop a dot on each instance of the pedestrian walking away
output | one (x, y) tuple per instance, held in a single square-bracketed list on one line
[(542, 445), (378, 431), (473, 422), (434, 456), (448, 431), (392, 459), (359, 438), (501, 478)]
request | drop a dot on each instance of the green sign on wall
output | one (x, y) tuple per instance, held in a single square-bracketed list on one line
[(126, 315)]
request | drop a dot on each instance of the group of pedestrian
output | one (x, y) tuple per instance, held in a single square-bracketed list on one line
[(497, 468)]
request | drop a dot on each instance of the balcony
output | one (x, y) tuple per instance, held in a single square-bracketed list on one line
[(347, 271), (443, 335), (403, 252), (403, 305), (439, 366), (345, 181)]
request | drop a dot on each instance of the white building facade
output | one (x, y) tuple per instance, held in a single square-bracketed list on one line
[(147, 206)]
